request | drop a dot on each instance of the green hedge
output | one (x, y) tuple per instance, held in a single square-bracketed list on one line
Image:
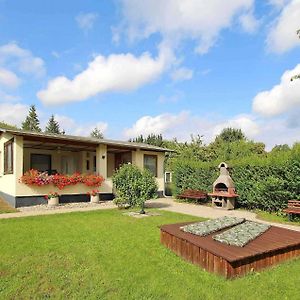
[(265, 183)]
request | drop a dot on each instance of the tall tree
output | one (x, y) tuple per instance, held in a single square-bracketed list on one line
[(151, 139), (97, 133), (231, 135), (32, 122), (53, 126)]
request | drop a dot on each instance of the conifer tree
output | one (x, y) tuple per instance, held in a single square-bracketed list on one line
[(32, 122), (96, 133), (53, 126)]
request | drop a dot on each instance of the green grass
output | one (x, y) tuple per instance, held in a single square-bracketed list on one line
[(106, 255), (278, 218), (6, 208)]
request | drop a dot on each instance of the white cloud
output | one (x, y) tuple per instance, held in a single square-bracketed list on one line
[(164, 124), (278, 3), (283, 97), (117, 72), (86, 21), (174, 98), (22, 59), (182, 125), (199, 20), (282, 36), (72, 126), (244, 122), (8, 78), (13, 113), (182, 74), (249, 23)]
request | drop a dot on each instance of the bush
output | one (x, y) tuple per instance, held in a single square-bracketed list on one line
[(265, 183), (133, 186)]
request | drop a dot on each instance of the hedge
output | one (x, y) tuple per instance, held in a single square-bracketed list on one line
[(265, 183)]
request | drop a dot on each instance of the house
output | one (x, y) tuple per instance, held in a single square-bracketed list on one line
[(21, 151)]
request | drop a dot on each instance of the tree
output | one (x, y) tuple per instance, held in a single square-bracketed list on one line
[(231, 135), (97, 133), (151, 139), (32, 122), (4, 125), (53, 126)]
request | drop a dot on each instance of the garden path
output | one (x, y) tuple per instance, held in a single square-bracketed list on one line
[(161, 203), (208, 212)]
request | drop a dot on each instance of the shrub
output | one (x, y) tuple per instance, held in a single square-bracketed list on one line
[(133, 186), (265, 183)]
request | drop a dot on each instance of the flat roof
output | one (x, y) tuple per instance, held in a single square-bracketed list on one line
[(88, 140)]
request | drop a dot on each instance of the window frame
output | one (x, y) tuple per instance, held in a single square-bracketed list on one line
[(42, 154), (156, 163), (5, 153)]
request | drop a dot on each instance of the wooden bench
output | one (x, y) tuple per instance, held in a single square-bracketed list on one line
[(293, 208), (193, 194)]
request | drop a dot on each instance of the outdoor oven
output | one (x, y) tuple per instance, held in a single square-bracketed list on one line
[(224, 194)]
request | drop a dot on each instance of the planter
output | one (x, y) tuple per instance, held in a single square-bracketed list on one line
[(95, 199), (53, 201)]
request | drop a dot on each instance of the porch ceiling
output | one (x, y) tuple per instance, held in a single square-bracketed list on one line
[(59, 145)]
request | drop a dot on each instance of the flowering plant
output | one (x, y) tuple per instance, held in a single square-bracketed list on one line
[(34, 177), (51, 195), (93, 193)]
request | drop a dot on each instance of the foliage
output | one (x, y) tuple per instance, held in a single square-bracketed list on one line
[(133, 186), (97, 133), (36, 178), (51, 195), (53, 126), (230, 134), (32, 122), (4, 125), (93, 193), (151, 139), (262, 182)]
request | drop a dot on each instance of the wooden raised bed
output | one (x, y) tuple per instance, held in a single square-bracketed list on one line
[(272, 247)]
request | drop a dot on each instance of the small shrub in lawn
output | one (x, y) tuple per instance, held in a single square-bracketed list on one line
[(133, 186)]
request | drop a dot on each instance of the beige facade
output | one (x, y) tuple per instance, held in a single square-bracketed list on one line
[(100, 159)]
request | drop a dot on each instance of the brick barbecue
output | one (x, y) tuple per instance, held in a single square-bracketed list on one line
[(224, 194)]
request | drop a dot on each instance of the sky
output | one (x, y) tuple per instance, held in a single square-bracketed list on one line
[(174, 67)]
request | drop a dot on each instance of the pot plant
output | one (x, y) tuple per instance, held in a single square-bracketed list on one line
[(94, 194), (53, 198)]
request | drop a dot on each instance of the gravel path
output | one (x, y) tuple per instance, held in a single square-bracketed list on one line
[(162, 203), (62, 208)]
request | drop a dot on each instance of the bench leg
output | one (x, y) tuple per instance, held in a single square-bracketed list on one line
[(290, 217)]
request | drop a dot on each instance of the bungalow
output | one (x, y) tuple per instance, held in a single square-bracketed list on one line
[(21, 151)]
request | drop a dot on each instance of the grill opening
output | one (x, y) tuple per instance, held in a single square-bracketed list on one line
[(221, 187)]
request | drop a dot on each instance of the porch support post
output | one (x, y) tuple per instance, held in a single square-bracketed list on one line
[(101, 160), (18, 158)]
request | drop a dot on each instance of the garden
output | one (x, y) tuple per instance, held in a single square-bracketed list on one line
[(106, 255)]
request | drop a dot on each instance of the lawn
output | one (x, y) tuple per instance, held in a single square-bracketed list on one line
[(106, 255), (279, 218)]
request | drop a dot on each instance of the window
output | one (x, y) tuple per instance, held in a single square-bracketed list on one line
[(40, 162), (150, 163), (9, 157)]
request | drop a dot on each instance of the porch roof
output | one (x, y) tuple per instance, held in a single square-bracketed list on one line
[(80, 140)]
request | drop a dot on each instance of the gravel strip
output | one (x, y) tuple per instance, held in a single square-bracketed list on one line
[(62, 206)]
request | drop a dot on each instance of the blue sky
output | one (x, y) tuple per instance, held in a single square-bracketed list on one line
[(170, 67)]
